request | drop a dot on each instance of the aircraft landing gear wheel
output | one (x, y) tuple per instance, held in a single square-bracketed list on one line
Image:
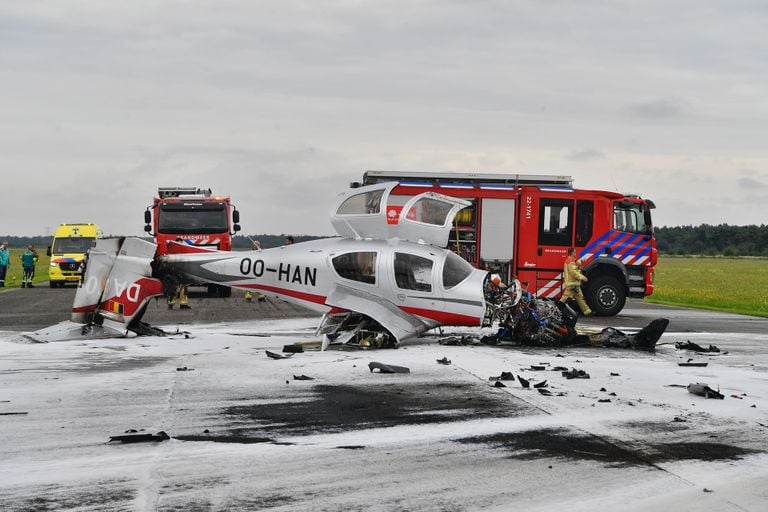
[(606, 296)]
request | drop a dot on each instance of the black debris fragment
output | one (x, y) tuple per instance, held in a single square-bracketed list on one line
[(503, 376), (293, 349), (541, 384), (573, 373), (689, 363), (302, 377), (537, 368), (141, 438), (387, 368), (614, 374), (546, 392), (499, 384), (524, 382), (21, 413), (689, 345), (444, 361), (604, 400), (678, 419), (603, 389), (457, 341), (275, 355), (704, 390), (559, 369), (185, 369)]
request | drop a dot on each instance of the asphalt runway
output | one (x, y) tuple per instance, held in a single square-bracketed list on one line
[(245, 434)]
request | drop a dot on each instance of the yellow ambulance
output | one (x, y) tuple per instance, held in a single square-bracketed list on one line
[(67, 252)]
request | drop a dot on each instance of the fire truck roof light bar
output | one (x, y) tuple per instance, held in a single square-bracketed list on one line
[(165, 192), (450, 178)]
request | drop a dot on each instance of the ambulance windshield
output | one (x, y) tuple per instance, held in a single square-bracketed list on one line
[(74, 245)]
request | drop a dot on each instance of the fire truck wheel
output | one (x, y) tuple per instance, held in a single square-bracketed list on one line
[(606, 296)]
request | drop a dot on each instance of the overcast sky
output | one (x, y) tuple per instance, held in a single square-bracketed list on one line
[(282, 104)]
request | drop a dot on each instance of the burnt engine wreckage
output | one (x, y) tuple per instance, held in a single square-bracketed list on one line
[(527, 320)]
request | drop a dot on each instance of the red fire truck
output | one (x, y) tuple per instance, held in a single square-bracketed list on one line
[(522, 225), (194, 216)]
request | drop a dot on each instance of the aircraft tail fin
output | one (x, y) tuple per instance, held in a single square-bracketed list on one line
[(117, 283)]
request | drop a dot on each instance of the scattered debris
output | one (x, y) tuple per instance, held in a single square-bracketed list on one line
[(503, 376), (302, 377), (678, 419), (457, 341), (705, 391), (603, 389), (614, 374), (546, 392), (689, 363), (604, 400), (524, 382), (573, 373), (293, 349), (13, 413), (140, 438), (499, 384), (184, 369), (737, 396), (541, 384), (387, 368), (275, 355), (689, 345), (444, 361), (559, 369), (538, 368), (708, 490)]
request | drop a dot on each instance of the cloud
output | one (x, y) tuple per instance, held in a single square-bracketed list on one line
[(585, 154), (662, 108)]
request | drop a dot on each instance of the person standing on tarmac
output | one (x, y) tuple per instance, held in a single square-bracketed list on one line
[(572, 278), (4, 261), (181, 291), (28, 260), (255, 246)]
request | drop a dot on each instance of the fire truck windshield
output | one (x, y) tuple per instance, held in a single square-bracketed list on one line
[(194, 218), (76, 245), (632, 218)]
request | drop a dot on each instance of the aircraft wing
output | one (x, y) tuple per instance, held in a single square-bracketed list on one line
[(399, 323)]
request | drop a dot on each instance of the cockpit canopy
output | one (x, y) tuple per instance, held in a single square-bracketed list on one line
[(369, 212)]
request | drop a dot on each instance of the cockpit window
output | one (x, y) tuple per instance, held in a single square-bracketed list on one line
[(356, 266), (630, 219), (368, 203), (455, 270), (429, 211), (413, 272)]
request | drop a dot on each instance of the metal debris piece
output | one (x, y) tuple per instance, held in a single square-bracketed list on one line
[(698, 365), (541, 384), (538, 368), (444, 361), (503, 376), (293, 349), (604, 400), (524, 382), (184, 369), (689, 345), (499, 384), (573, 373), (302, 377), (704, 390), (275, 355), (141, 438), (387, 368), (547, 392)]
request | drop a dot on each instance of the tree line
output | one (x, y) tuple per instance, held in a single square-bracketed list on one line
[(709, 240), (702, 240)]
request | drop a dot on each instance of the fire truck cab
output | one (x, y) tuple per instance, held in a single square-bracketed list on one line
[(194, 216), (520, 226)]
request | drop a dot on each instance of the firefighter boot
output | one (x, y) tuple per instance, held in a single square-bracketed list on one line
[(171, 302), (248, 296)]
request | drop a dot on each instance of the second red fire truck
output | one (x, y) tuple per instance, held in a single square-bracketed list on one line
[(194, 216), (522, 225)]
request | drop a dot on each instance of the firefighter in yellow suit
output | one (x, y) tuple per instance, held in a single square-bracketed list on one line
[(572, 277)]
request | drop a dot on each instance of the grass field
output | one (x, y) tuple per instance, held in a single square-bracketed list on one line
[(737, 285), (13, 277)]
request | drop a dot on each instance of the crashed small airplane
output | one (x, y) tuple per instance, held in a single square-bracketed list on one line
[(387, 277)]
